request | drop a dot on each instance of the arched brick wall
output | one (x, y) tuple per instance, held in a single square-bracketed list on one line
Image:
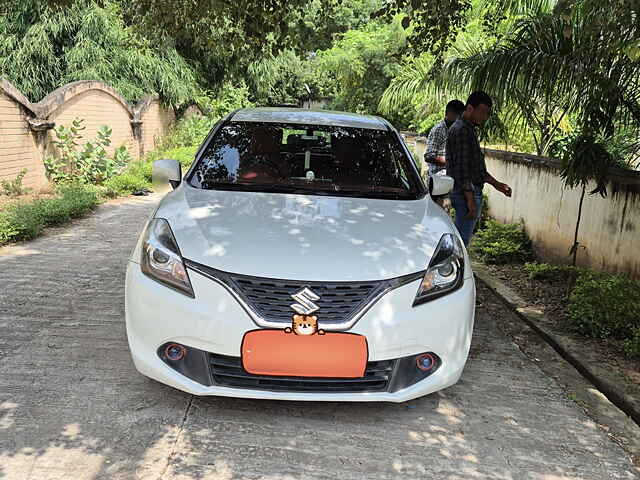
[(26, 135), (97, 106)]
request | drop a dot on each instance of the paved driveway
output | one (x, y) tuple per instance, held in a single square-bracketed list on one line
[(73, 407)]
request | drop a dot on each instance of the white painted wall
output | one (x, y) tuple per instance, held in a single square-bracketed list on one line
[(610, 227)]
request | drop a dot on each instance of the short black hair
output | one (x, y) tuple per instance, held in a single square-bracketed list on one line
[(455, 106), (478, 97)]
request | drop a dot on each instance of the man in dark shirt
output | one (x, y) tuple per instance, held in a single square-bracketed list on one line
[(466, 165)]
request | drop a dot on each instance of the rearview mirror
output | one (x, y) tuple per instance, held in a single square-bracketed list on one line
[(167, 171), (440, 185)]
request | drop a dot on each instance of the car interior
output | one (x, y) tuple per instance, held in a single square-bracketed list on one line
[(322, 157)]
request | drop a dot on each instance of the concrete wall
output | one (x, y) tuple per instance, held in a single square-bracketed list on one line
[(610, 227), (26, 129)]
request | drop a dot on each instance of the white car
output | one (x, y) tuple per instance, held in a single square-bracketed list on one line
[(301, 258)]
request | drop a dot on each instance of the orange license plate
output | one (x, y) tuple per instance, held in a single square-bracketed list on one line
[(333, 355)]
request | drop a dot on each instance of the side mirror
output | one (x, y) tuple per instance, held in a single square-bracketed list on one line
[(440, 185), (167, 171)]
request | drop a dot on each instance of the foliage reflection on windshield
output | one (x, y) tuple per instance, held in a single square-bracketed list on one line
[(306, 159)]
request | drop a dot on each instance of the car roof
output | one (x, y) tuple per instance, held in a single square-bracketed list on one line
[(309, 117)]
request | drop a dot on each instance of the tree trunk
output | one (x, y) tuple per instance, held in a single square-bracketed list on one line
[(576, 244)]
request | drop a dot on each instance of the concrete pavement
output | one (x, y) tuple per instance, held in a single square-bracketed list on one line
[(72, 405)]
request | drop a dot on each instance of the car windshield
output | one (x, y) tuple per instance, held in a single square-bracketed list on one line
[(294, 158)]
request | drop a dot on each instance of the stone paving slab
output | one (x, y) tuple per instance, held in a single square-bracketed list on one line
[(72, 405)]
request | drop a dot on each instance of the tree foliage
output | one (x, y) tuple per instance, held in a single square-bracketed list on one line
[(43, 48), (362, 63)]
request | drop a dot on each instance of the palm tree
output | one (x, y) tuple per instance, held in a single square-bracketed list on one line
[(575, 57), (578, 57)]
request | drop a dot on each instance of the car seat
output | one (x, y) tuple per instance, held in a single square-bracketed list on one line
[(262, 162)]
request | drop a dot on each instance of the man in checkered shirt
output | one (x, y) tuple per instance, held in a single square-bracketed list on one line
[(467, 167), (437, 139)]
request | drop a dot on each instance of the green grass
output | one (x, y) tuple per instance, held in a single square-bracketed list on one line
[(26, 220), (545, 271)]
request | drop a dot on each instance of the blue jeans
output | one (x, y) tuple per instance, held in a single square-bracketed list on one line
[(464, 224)]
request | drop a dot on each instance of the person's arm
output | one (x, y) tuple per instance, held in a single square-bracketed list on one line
[(501, 187)]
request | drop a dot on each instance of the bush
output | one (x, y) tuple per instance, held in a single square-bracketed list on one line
[(544, 271), (125, 184), (502, 243), (604, 305), (188, 132), (184, 155), (142, 170), (25, 220), (91, 164)]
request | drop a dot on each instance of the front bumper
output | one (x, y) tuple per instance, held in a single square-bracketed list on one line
[(215, 322)]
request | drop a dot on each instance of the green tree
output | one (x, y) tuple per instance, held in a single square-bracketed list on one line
[(362, 64), (43, 48)]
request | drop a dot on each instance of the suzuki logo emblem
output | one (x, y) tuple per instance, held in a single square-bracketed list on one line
[(305, 299)]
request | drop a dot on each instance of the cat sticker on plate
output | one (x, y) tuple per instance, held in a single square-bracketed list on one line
[(304, 350)]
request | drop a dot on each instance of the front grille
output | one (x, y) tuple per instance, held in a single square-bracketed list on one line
[(271, 299), (228, 372)]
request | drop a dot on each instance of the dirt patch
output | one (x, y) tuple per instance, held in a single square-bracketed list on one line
[(551, 298)]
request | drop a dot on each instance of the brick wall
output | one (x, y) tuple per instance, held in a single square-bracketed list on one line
[(26, 129), (18, 147), (96, 108), (156, 121)]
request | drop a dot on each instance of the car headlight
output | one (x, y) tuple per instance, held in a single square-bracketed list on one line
[(161, 259), (446, 270)]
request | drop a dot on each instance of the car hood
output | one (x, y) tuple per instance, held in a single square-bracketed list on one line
[(304, 237)]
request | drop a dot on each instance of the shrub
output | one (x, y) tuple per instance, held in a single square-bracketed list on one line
[(124, 184), (188, 132), (25, 220), (502, 243), (141, 170), (604, 305), (91, 164), (228, 99), (184, 155), (544, 271), (14, 188)]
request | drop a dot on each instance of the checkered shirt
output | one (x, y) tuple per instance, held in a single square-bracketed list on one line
[(465, 160)]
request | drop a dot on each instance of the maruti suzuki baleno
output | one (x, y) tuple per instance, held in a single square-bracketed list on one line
[(301, 257)]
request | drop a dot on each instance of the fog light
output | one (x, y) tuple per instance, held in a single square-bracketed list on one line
[(425, 362), (175, 352), (187, 361)]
